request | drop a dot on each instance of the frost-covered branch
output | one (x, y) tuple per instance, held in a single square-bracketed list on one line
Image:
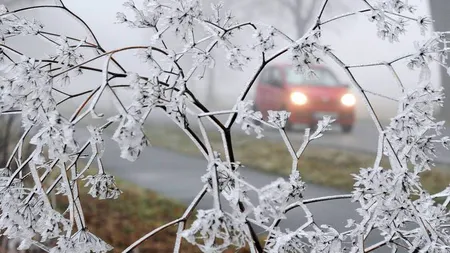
[(388, 199)]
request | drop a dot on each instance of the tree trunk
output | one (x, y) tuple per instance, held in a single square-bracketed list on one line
[(439, 11), (8, 132), (300, 26), (210, 87), (302, 22)]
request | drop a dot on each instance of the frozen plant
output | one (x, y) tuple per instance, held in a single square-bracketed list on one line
[(391, 202)]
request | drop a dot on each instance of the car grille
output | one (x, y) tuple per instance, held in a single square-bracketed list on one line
[(319, 101)]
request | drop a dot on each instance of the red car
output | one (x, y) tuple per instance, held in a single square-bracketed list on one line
[(280, 87)]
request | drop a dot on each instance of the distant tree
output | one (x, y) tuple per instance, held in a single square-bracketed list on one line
[(439, 11), (299, 12)]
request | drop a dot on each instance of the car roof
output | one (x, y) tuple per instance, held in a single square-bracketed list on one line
[(288, 65)]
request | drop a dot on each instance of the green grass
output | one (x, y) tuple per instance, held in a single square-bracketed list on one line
[(319, 165)]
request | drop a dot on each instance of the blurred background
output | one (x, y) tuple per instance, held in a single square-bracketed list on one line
[(327, 164), (354, 39)]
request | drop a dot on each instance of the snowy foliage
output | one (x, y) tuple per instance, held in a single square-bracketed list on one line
[(392, 203)]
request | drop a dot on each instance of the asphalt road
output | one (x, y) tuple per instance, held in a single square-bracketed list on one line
[(178, 177)]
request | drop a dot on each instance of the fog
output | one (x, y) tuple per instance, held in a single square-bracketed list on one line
[(352, 39)]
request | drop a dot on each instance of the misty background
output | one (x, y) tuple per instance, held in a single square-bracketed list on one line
[(353, 39)]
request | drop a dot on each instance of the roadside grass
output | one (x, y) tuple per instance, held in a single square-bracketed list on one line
[(319, 165), (136, 212)]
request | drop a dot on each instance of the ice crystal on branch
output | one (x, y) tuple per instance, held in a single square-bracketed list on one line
[(392, 202), (12, 25), (130, 138), (389, 25), (230, 182), (236, 59), (307, 52), (427, 52), (176, 108), (102, 186), (385, 198), (67, 54), (278, 119), (264, 39), (275, 198), (57, 135), (147, 17), (216, 231), (414, 131), (246, 116), (81, 241), (146, 95), (322, 126), (412, 135), (97, 142), (25, 214)]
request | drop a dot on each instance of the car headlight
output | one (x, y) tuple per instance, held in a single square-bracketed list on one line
[(348, 100), (298, 98)]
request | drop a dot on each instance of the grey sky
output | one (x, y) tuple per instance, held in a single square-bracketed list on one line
[(354, 40)]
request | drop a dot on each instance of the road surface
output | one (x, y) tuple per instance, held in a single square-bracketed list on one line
[(177, 176)]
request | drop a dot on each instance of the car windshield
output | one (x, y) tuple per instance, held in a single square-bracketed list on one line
[(323, 77)]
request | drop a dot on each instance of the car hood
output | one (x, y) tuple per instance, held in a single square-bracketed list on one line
[(321, 92)]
